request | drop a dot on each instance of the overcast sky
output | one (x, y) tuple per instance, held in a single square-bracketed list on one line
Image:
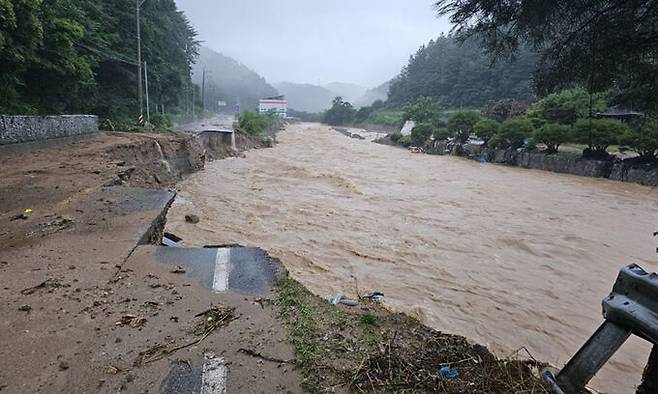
[(317, 41)]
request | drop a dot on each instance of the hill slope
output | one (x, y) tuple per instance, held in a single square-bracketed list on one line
[(230, 81), (306, 97)]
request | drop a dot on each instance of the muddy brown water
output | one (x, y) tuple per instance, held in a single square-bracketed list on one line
[(504, 256)]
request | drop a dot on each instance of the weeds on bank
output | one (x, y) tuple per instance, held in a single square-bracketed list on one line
[(366, 349)]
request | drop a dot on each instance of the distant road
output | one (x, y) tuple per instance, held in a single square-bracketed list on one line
[(221, 121)]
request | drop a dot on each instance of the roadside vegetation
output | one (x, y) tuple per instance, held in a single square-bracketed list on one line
[(79, 57), (368, 349), (258, 125)]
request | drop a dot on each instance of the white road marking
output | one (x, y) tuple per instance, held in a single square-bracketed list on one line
[(213, 380), (220, 281)]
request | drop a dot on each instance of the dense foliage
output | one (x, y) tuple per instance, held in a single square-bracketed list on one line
[(642, 139), (461, 76), (341, 113), (69, 56), (486, 129), (565, 107), (504, 109), (256, 124), (598, 134), (423, 110), (461, 124), (421, 133), (593, 43), (229, 81), (512, 134)]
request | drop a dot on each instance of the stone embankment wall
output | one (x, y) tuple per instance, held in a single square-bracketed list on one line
[(644, 174), (18, 129)]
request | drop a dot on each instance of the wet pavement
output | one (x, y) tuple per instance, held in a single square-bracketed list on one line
[(229, 268)]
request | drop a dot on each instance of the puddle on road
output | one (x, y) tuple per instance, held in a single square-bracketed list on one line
[(224, 268)]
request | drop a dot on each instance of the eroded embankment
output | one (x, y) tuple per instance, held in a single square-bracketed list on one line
[(80, 299), (506, 257)]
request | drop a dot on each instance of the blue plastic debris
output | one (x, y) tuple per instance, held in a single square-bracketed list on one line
[(448, 373)]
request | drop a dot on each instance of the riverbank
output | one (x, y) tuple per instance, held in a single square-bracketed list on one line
[(629, 170), (88, 307)]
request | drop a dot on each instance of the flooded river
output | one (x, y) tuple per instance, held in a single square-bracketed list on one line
[(504, 256)]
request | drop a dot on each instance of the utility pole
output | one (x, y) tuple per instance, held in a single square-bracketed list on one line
[(203, 91), (140, 93), (146, 81)]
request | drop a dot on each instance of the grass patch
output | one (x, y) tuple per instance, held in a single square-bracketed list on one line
[(367, 349)]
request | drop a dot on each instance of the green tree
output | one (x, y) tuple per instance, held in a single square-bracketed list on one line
[(591, 43), (340, 113), (513, 134), (421, 133), (565, 107), (423, 110), (553, 135), (461, 124), (643, 139), (598, 134), (486, 129), (461, 75)]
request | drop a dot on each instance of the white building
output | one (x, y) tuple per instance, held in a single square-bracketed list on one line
[(277, 105)]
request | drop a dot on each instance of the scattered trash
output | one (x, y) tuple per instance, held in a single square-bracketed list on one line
[(131, 320), (449, 373), (193, 219), (178, 270), (22, 216), (171, 240), (339, 298), (375, 296), (25, 308)]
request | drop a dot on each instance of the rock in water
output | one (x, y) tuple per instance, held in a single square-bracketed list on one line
[(194, 219)]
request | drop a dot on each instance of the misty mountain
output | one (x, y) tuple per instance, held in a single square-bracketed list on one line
[(306, 97), (230, 81), (348, 91), (372, 95)]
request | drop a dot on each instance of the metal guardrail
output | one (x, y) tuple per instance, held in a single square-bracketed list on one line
[(631, 309)]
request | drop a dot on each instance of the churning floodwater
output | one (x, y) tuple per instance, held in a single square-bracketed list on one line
[(504, 256)]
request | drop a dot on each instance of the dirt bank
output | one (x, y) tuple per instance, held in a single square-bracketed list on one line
[(83, 304)]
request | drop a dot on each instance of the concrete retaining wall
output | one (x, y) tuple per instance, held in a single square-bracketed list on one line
[(644, 174), (18, 129)]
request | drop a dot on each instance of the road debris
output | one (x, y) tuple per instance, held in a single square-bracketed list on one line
[(133, 321), (256, 354), (213, 318), (193, 219), (45, 285), (178, 270), (449, 373)]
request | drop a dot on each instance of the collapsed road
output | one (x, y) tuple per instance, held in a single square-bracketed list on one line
[(92, 304)]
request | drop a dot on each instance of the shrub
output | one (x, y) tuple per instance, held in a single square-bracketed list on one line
[(486, 129), (601, 134), (553, 135), (421, 133), (643, 140), (395, 137), (424, 110), (513, 134), (256, 124), (405, 141), (461, 124), (340, 113), (161, 121)]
